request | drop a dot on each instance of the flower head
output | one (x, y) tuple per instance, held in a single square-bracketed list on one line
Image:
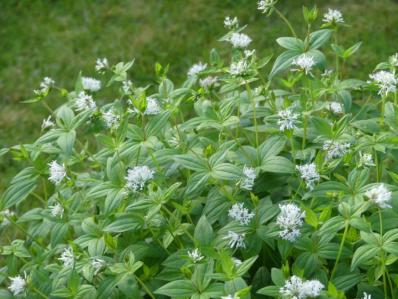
[(67, 257), (47, 123), (303, 63), (287, 119), (239, 213), (265, 6), (138, 176), (111, 119), (6, 214), (309, 174), (235, 240), (230, 297), (45, 86), (333, 16), (335, 149), (101, 65), (393, 60), (380, 195), (366, 160), (57, 172), (366, 296), (386, 81), (84, 102), (17, 285), (196, 69), (249, 176), (56, 210), (336, 107), (208, 82), (240, 40), (290, 219), (231, 22), (91, 84), (152, 107), (195, 255), (127, 86), (98, 264), (238, 68), (296, 288)]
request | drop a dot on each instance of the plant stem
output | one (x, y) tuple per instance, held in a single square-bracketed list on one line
[(282, 16), (40, 293), (147, 290), (340, 249), (383, 255), (249, 94), (336, 56)]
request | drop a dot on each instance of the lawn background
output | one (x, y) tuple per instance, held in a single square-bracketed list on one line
[(60, 38)]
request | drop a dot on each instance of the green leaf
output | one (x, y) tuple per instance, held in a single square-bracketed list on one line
[(291, 43), (284, 61), (157, 124), (204, 232), (277, 277), (271, 291), (363, 255), (319, 38), (272, 146), (123, 224), (178, 288), (277, 164), (191, 162), (226, 171), (346, 282), (66, 141)]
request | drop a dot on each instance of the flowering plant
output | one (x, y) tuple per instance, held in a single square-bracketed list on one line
[(244, 182)]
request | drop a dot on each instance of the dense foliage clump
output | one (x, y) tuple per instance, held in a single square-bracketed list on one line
[(245, 182)]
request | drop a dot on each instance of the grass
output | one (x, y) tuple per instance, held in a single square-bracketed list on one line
[(60, 38)]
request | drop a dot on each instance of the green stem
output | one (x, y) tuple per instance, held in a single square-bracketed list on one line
[(340, 249), (40, 293), (282, 16), (336, 56), (147, 290), (249, 94)]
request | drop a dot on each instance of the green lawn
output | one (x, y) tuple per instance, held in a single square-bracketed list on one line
[(60, 38)]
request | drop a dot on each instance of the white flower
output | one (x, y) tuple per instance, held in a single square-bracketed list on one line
[(249, 174), (237, 262), (57, 172), (97, 264), (230, 23), (238, 68), (152, 107), (101, 65), (47, 123), (335, 149), (17, 285), (393, 60), (235, 240), (309, 174), (287, 119), (138, 176), (195, 255), (84, 102), (67, 257), (249, 53), (296, 288), (336, 107), (111, 119), (290, 219), (56, 210), (239, 213), (45, 86), (366, 296), (386, 82), (6, 214), (207, 82), (380, 195), (230, 297), (265, 5), (127, 86), (303, 63), (91, 84), (196, 68), (327, 73), (366, 160), (240, 40), (333, 16)]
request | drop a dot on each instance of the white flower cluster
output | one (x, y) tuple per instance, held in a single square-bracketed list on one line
[(91, 84), (393, 60), (138, 176), (208, 82), (303, 63), (230, 297), (17, 285), (386, 81), (195, 255), (84, 102), (6, 214), (296, 288), (111, 119), (231, 22), (249, 176), (309, 174), (380, 195), (67, 257), (239, 213), (366, 160), (333, 16), (152, 107), (196, 69), (335, 149), (235, 240), (101, 65), (366, 296), (265, 5), (57, 172), (45, 86), (290, 219), (240, 40), (56, 210), (127, 86), (97, 264), (336, 107), (47, 123), (238, 68), (287, 119)]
